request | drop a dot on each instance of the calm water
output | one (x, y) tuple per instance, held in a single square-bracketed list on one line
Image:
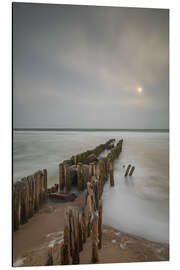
[(137, 204)]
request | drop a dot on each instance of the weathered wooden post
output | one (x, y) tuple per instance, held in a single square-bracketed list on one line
[(94, 258), (61, 177), (96, 194), (45, 183), (80, 179), (36, 188), (67, 176), (127, 171), (94, 169), (84, 227), (80, 236), (24, 201), (33, 194), (131, 171), (50, 257), (65, 247), (101, 175), (16, 206), (111, 171), (89, 207), (75, 254), (31, 210), (100, 225), (90, 171)]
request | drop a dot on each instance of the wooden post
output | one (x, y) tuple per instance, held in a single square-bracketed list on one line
[(84, 227), (80, 229), (101, 175), (26, 198), (94, 169), (50, 257), (16, 206), (45, 183), (94, 258), (30, 184), (131, 171), (34, 192), (24, 206), (67, 177), (36, 184), (65, 246), (127, 171), (90, 171), (111, 171), (61, 177), (96, 194), (80, 181), (100, 225), (75, 253)]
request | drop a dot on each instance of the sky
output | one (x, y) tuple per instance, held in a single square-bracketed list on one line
[(90, 67)]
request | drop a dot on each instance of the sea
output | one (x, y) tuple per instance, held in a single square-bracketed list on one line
[(138, 204)]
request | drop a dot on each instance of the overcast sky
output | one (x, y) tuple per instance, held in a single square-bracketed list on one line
[(81, 67)]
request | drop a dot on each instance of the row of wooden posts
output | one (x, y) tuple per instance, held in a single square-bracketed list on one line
[(83, 172), (81, 223), (28, 195), (31, 191)]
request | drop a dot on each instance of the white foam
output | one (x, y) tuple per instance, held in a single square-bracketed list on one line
[(19, 262)]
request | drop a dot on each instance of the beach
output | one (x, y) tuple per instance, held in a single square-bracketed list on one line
[(135, 210), (45, 229)]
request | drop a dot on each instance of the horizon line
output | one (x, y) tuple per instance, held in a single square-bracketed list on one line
[(92, 129)]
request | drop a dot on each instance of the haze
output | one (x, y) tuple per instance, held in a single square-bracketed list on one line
[(90, 67)]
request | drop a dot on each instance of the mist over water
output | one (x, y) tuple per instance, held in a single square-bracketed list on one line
[(138, 204)]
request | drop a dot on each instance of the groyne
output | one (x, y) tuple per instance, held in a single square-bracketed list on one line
[(85, 171), (31, 192), (86, 221)]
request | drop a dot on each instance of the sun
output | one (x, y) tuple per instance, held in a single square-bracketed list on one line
[(139, 89)]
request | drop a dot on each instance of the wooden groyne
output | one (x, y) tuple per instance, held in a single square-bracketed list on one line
[(28, 195), (31, 192), (86, 221), (87, 171), (79, 169)]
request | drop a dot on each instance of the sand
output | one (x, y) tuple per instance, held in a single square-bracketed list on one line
[(45, 229)]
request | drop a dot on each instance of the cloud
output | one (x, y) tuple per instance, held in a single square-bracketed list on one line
[(73, 65)]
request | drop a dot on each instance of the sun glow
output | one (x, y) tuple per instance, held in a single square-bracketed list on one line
[(139, 89)]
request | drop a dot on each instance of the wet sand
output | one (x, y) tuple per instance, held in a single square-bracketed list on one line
[(45, 229)]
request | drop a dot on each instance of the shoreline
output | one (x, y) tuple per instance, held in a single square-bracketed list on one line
[(45, 229), (59, 232)]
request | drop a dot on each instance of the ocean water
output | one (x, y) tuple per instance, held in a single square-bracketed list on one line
[(138, 204)]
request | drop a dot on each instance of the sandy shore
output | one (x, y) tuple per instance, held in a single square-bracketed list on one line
[(45, 229)]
